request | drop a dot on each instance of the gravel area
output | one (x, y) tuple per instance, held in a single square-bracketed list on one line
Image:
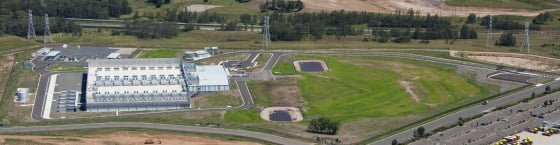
[(481, 77)]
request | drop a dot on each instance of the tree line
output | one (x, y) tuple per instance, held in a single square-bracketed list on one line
[(91, 9), (18, 25), (323, 126), (285, 6), (505, 22)]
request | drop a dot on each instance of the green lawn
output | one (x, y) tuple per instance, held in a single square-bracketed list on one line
[(513, 4), (284, 66), (159, 53), (242, 116), (58, 68), (361, 88)]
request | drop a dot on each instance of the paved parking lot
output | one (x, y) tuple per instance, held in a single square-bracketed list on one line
[(496, 125)]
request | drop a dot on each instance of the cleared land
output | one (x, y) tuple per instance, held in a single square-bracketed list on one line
[(281, 92), (513, 4), (123, 137), (431, 6)]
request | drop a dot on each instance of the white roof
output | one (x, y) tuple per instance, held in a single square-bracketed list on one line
[(114, 55), (53, 53), (212, 75)]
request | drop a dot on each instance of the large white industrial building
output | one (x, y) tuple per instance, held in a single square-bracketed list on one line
[(149, 84)]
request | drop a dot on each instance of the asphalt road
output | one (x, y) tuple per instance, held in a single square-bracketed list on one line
[(466, 113), (242, 133)]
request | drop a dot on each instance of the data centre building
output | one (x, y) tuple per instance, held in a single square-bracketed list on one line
[(149, 84)]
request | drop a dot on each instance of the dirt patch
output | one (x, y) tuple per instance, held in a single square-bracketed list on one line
[(424, 6), (525, 61), (409, 88), (126, 138), (285, 92), (294, 112), (201, 8)]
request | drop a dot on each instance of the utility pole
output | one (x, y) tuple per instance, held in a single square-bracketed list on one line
[(266, 33), (30, 27), (526, 43), (47, 36), (489, 40)]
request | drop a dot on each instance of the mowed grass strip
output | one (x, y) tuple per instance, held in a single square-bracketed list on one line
[(509, 4), (58, 68), (160, 53), (242, 116), (371, 89)]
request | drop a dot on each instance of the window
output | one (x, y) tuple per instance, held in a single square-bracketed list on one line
[(169, 68), (177, 67), (153, 77), (174, 91), (125, 78), (134, 77), (99, 69), (171, 76), (160, 68), (107, 78), (125, 92), (162, 77), (151, 68), (107, 69), (144, 77), (116, 69), (116, 78), (142, 68), (164, 91), (125, 68), (133, 68), (155, 91), (99, 78)]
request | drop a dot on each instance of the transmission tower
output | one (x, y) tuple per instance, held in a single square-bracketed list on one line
[(526, 43), (266, 32), (489, 40), (30, 28), (47, 36)]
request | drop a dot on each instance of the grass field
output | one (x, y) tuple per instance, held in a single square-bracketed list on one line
[(367, 88), (12, 42), (58, 68), (20, 78), (230, 8), (159, 53), (242, 116), (511, 4), (217, 101), (284, 66)]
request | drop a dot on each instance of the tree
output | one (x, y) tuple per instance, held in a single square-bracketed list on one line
[(421, 131), (471, 19), (395, 142), (506, 40), (323, 126)]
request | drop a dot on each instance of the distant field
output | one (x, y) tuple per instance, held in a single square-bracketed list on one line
[(159, 53), (511, 4), (368, 88), (10, 42), (230, 8)]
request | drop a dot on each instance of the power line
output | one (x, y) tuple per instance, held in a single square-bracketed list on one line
[(266, 32), (526, 42), (489, 39), (47, 36), (30, 28)]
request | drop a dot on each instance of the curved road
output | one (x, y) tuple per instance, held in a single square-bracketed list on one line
[(242, 133)]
